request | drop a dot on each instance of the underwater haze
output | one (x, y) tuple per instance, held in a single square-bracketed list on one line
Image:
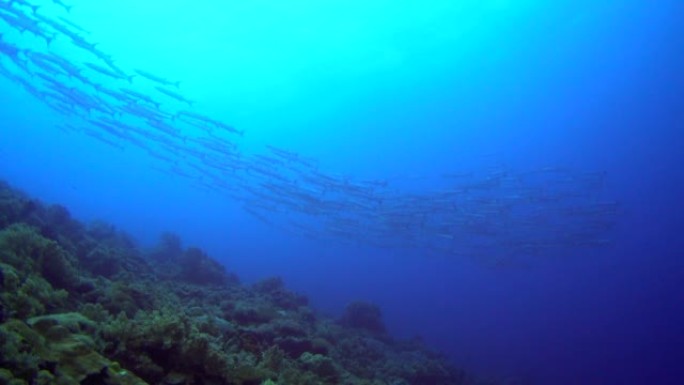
[(503, 178)]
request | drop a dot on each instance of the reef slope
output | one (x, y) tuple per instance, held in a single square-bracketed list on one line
[(83, 304)]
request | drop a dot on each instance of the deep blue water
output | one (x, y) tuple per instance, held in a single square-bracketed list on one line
[(553, 94)]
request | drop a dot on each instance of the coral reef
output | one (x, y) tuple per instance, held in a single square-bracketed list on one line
[(82, 304)]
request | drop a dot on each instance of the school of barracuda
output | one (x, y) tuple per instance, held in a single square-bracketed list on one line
[(494, 214)]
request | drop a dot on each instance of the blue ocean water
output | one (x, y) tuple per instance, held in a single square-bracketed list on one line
[(502, 178)]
